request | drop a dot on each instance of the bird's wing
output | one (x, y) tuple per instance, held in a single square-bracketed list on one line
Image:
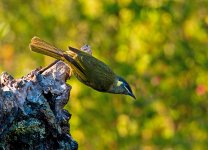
[(99, 73), (78, 69), (74, 50)]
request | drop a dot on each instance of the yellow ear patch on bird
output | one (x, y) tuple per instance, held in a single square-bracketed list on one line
[(119, 83)]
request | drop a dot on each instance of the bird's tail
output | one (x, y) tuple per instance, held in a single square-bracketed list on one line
[(40, 46)]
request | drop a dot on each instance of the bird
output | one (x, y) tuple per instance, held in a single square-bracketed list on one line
[(87, 69)]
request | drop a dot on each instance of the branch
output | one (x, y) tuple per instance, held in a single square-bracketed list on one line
[(31, 110)]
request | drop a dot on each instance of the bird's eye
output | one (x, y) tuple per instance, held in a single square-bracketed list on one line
[(125, 84)]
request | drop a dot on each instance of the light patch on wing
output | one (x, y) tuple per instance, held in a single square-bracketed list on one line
[(119, 83), (71, 54)]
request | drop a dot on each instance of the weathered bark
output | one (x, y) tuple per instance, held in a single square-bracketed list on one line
[(31, 110)]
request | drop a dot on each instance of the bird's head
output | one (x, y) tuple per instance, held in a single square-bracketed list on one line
[(120, 86)]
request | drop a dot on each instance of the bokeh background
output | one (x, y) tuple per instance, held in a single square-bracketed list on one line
[(159, 46)]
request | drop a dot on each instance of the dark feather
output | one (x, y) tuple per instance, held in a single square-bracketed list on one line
[(68, 58), (74, 50)]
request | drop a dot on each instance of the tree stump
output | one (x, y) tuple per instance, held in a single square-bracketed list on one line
[(31, 110)]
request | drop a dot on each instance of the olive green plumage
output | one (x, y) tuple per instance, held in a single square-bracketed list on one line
[(88, 69)]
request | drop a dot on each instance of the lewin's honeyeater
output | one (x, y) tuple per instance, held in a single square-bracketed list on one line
[(88, 69)]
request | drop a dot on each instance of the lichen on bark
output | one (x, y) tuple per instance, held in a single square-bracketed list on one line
[(32, 114)]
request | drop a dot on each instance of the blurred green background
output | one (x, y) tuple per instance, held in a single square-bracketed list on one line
[(159, 46)]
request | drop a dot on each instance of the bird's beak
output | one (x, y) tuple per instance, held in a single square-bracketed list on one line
[(132, 95)]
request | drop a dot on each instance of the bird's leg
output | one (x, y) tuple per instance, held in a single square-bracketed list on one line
[(70, 72), (49, 66)]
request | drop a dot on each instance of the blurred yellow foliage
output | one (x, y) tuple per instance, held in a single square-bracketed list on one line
[(6, 56)]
